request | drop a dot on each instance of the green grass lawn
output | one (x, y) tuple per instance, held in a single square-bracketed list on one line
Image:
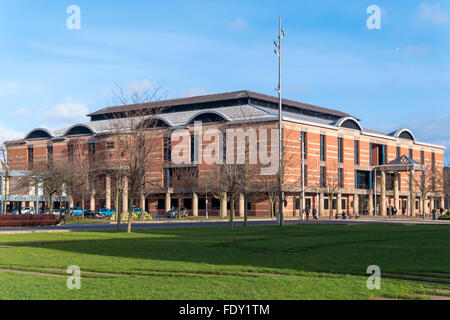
[(293, 262)]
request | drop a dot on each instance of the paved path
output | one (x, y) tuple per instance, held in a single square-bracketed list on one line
[(214, 223)]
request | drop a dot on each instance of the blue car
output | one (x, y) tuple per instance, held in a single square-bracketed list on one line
[(137, 210), (106, 212), (76, 211)]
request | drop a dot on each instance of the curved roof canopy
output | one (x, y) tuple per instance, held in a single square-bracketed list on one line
[(349, 123), (404, 134), (39, 133), (208, 116), (78, 130)]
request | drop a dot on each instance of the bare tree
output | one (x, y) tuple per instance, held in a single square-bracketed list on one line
[(425, 184), (331, 187), (134, 137)]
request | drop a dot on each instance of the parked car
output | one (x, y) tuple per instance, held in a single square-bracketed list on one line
[(175, 213), (55, 212), (137, 210), (106, 212), (76, 211), (28, 210)]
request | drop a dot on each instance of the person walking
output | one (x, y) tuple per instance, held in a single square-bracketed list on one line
[(307, 212), (441, 210), (315, 214), (394, 212)]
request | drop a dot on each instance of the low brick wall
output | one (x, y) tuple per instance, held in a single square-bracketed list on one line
[(27, 220)]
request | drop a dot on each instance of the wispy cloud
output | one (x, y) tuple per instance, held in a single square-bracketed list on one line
[(9, 88), (239, 24), (7, 134), (67, 112), (434, 13), (139, 87), (192, 92)]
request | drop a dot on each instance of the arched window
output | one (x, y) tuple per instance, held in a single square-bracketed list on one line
[(349, 123), (207, 117), (38, 134), (406, 135), (79, 130)]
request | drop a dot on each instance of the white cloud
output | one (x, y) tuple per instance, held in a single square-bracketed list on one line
[(239, 24), (9, 88), (192, 92), (7, 134), (21, 111), (139, 87), (434, 13), (68, 112)]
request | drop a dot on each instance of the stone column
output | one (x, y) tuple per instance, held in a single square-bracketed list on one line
[(92, 204), (383, 194), (442, 202), (142, 201), (168, 201), (321, 204), (370, 205), (125, 195), (409, 207), (339, 203), (412, 197), (223, 205), (108, 191), (195, 205), (241, 205), (431, 204), (396, 189), (421, 208), (356, 204)]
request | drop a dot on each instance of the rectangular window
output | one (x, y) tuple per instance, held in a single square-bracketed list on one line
[(30, 157), (161, 204), (398, 152), (305, 143), (110, 145), (323, 173), (306, 175), (92, 151), (322, 148), (296, 203), (70, 152), (341, 150), (201, 204), (50, 153), (187, 203), (325, 204), (343, 204), (215, 204), (356, 152), (167, 149), (422, 157), (411, 154), (194, 148), (341, 177)]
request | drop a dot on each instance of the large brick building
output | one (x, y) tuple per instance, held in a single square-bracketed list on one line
[(369, 171)]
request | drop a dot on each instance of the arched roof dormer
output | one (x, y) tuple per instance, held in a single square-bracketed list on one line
[(349, 123), (79, 130), (39, 133), (404, 134), (208, 116)]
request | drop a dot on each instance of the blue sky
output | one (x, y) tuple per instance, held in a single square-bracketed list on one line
[(391, 78)]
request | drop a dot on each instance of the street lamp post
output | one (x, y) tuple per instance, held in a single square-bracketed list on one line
[(281, 34), (302, 143)]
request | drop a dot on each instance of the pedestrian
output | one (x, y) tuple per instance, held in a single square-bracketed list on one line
[(344, 216), (403, 210), (307, 212), (433, 213), (394, 212), (441, 210), (388, 210), (62, 216), (365, 211), (315, 214)]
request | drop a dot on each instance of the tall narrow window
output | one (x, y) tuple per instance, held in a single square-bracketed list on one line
[(49, 154), (167, 149), (323, 173), (341, 177), (92, 151), (322, 148), (306, 175), (356, 152), (304, 143), (30, 158), (411, 153), (194, 148), (70, 152), (341, 150), (398, 152), (433, 172), (422, 157)]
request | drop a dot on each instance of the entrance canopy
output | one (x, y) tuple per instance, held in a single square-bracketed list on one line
[(403, 163)]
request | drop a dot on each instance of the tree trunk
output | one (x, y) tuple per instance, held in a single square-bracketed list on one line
[(82, 208), (119, 210), (245, 210), (5, 195), (130, 212), (50, 204), (231, 212)]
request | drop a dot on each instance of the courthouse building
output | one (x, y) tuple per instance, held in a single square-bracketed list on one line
[(364, 170)]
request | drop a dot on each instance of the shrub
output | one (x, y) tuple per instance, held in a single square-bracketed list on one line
[(136, 217)]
